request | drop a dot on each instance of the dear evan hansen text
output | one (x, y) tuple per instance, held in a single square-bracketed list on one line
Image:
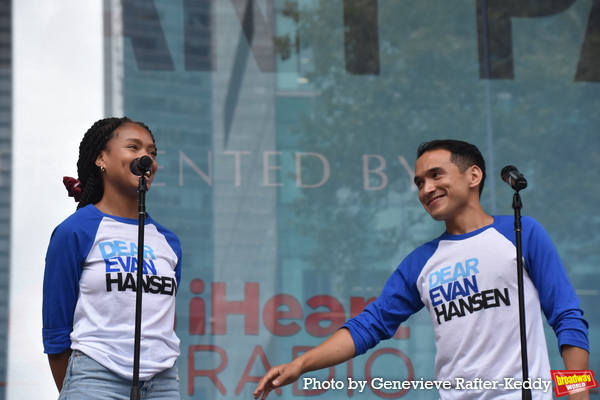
[(121, 268), (454, 291)]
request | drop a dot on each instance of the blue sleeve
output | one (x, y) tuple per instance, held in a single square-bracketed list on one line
[(175, 245), (557, 296), (399, 299), (67, 252)]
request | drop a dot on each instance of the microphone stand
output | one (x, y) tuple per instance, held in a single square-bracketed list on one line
[(517, 205), (135, 393)]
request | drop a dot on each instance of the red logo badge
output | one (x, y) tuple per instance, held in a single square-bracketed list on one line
[(567, 382)]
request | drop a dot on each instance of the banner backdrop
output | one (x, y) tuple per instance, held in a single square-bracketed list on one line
[(287, 133)]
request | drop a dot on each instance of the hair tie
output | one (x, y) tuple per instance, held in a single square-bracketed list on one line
[(73, 187)]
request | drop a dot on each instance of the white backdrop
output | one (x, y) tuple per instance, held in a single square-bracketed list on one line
[(58, 94)]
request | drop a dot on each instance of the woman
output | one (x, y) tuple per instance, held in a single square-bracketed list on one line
[(89, 280)]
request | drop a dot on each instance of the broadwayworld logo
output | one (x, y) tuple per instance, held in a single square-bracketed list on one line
[(567, 382)]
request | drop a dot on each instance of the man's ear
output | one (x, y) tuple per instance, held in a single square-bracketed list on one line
[(476, 175)]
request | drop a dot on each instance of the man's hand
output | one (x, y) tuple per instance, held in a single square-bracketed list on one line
[(338, 348), (278, 376)]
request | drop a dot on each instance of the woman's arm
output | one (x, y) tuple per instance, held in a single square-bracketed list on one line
[(58, 366)]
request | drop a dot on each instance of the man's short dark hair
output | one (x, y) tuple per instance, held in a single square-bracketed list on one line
[(464, 155)]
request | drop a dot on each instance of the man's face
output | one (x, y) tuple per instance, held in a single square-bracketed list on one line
[(443, 190)]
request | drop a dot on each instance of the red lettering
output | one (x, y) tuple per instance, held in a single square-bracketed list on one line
[(272, 315), (296, 350), (259, 353), (336, 317), (403, 357), (221, 308), (246, 378), (279, 307), (211, 373), (197, 309)]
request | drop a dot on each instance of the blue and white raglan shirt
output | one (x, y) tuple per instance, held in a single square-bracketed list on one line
[(469, 285), (89, 291)]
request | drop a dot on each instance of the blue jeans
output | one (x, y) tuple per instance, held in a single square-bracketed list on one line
[(88, 380)]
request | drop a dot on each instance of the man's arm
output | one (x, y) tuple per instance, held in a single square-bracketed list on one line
[(576, 358), (337, 349), (58, 366)]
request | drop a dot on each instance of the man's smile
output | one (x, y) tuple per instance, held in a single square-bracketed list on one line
[(434, 199)]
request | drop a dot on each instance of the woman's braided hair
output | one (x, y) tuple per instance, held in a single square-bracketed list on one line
[(94, 141)]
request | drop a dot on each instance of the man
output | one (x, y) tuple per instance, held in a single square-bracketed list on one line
[(467, 280)]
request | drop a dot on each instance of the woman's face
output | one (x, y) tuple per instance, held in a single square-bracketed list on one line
[(130, 141)]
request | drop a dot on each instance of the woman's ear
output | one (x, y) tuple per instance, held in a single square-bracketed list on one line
[(100, 160)]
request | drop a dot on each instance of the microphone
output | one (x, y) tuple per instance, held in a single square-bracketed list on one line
[(141, 166), (511, 175)]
